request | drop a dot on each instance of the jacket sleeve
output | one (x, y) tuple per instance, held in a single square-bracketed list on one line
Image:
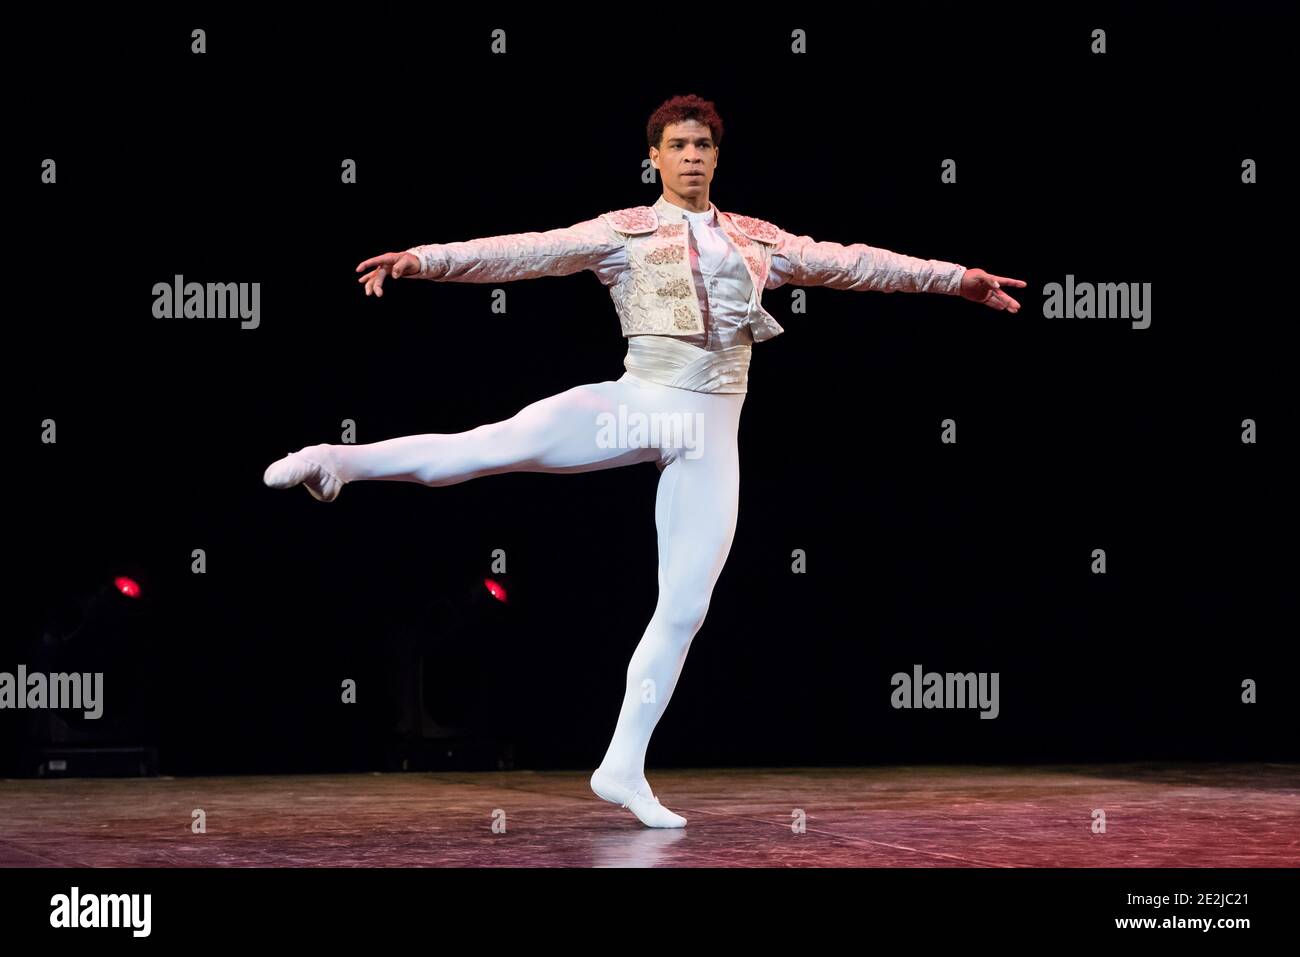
[(805, 262), (591, 244)]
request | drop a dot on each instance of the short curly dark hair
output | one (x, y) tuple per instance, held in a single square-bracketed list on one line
[(679, 109)]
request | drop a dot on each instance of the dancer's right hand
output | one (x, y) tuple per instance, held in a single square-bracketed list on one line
[(396, 264)]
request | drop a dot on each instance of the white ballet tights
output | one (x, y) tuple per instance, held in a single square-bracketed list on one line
[(693, 445)]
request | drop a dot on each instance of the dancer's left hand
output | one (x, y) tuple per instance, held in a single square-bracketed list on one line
[(979, 286)]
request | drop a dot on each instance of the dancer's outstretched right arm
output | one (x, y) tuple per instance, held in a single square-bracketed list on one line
[(591, 244)]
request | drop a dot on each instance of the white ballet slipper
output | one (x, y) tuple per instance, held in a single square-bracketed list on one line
[(645, 806), (302, 468)]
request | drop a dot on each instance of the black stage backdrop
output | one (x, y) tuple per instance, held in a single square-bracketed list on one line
[(1073, 434)]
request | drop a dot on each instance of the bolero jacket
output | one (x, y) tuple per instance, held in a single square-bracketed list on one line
[(641, 254)]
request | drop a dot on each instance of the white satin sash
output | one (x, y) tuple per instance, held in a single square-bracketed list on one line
[(668, 361)]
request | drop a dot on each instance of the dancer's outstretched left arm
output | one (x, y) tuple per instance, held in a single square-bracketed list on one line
[(803, 261)]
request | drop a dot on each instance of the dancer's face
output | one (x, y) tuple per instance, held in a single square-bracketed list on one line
[(686, 158)]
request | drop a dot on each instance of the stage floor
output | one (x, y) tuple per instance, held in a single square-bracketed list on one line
[(1220, 815)]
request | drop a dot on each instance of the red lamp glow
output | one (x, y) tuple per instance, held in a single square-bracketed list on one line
[(127, 586)]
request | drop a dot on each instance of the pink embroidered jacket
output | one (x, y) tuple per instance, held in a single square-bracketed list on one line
[(641, 254)]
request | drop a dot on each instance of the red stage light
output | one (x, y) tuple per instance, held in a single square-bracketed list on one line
[(127, 586), (497, 591)]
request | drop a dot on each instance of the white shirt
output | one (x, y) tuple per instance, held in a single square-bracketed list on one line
[(722, 284)]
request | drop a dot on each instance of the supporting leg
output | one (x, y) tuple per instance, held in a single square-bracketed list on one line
[(695, 513)]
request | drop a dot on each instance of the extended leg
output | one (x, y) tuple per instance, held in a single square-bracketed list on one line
[(561, 433)]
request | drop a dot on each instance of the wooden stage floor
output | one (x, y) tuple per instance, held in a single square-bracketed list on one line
[(1165, 815)]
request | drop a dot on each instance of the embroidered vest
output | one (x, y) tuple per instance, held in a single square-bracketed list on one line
[(656, 294)]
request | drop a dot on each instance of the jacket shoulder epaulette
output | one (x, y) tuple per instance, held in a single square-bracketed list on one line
[(633, 220), (754, 228)]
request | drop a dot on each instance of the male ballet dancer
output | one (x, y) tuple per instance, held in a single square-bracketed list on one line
[(687, 280)]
